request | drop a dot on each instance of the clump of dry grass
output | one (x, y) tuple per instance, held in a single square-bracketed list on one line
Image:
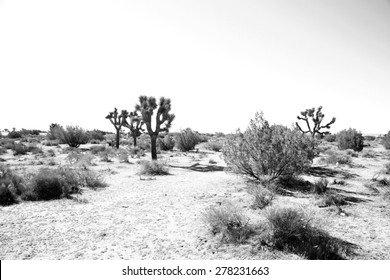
[(153, 168), (337, 157), (230, 223), (262, 197)]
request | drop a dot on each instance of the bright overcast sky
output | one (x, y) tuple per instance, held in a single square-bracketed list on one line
[(219, 61)]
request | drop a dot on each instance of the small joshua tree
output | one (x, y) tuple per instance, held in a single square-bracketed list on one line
[(135, 125), (163, 120), (316, 117), (117, 121)]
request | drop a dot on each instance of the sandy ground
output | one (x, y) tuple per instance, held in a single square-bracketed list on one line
[(161, 217)]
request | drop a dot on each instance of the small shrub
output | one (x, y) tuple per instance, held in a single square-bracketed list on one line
[(351, 153), (20, 149), (293, 230), (332, 199), (51, 143), (51, 153), (153, 168), (94, 141), (93, 180), (337, 157), (107, 154), (187, 139), (8, 177), (350, 139), (3, 151), (386, 140), (54, 133), (211, 161), (265, 151), (262, 197), (46, 185), (136, 152), (330, 138), (214, 146), (386, 169), (97, 149), (229, 222), (368, 154), (123, 155), (14, 135), (167, 143), (320, 186), (74, 136), (6, 196), (96, 135), (369, 138), (7, 143)]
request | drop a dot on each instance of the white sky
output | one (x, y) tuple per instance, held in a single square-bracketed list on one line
[(220, 61)]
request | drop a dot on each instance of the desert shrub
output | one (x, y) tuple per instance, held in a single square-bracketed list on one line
[(54, 133), (51, 153), (262, 197), (123, 155), (369, 138), (136, 152), (386, 169), (386, 140), (167, 143), (7, 143), (3, 150), (153, 168), (293, 230), (14, 135), (187, 139), (97, 149), (332, 199), (214, 146), (211, 161), (46, 185), (320, 186), (6, 196), (51, 143), (93, 180), (74, 136), (350, 139), (229, 222), (80, 159), (107, 154), (8, 177), (351, 153), (337, 157), (96, 135), (265, 151), (330, 138), (20, 149), (94, 141), (34, 149), (368, 154)]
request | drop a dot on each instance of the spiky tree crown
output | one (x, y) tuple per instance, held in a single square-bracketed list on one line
[(117, 119), (316, 117), (164, 119), (135, 124)]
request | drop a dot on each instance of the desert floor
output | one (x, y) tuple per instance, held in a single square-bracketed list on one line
[(161, 217)]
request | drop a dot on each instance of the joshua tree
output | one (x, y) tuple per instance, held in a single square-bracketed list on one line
[(316, 117), (163, 120), (135, 125), (117, 121)]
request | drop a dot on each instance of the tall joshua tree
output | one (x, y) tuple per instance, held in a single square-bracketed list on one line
[(163, 121), (135, 125), (117, 121), (316, 118)]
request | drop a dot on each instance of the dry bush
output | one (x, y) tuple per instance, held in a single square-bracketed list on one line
[(229, 222), (167, 143), (320, 186), (293, 230), (369, 154), (97, 149), (213, 146), (136, 152), (187, 139), (337, 157), (386, 140), (107, 154), (265, 151), (350, 139), (74, 136), (153, 168), (262, 197), (20, 149), (123, 155)]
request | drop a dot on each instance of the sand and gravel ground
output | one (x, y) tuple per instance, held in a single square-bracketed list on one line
[(161, 217)]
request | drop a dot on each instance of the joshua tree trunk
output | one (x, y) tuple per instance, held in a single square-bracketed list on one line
[(135, 140), (153, 139), (117, 138)]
